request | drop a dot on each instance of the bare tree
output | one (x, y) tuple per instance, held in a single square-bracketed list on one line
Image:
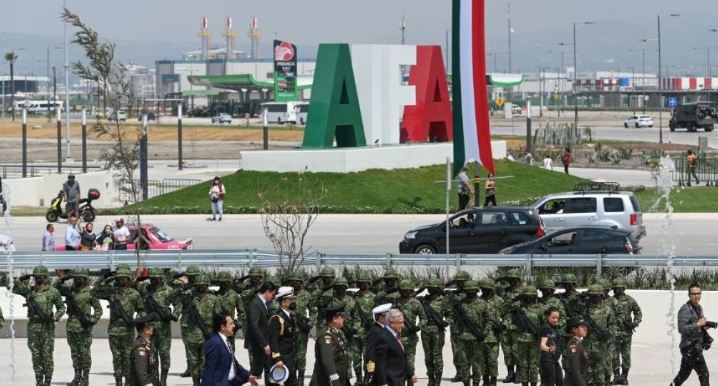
[(114, 85), (286, 220)]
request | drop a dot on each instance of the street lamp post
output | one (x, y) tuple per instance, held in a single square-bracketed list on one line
[(67, 92), (575, 78), (660, 80)]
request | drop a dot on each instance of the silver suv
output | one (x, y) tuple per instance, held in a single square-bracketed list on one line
[(594, 204)]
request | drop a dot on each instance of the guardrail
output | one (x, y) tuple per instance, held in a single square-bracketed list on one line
[(35, 170), (213, 259), (154, 187)]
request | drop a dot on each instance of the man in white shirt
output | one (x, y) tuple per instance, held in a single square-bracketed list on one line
[(72, 235), (121, 235), (48, 239)]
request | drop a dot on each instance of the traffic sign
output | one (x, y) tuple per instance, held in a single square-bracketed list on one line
[(672, 101), (500, 101)]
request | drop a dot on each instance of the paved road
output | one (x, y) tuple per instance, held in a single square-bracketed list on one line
[(361, 234)]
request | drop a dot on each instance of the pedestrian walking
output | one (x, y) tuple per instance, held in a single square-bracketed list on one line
[(88, 240), (303, 316), (528, 316), (184, 283), (72, 235), (550, 346), (44, 310), (411, 308), (375, 372), (468, 315), (331, 366), (464, 188), (230, 303), (361, 315), (490, 186), (105, 239), (121, 235), (216, 196), (394, 359), (628, 316), (566, 159), (692, 165), (48, 239), (221, 367), (692, 325), (71, 193), (575, 359), (144, 369), (491, 316), (282, 327)]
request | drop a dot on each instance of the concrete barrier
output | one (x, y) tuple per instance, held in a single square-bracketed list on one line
[(39, 191)]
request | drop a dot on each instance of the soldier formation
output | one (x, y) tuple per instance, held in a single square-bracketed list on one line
[(482, 317)]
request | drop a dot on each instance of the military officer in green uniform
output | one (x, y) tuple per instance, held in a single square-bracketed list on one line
[(389, 293), (230, 303), (468, 316), (44, 309), (574, 359), (165, 303), (303, 319), (202, 308), (493, 328), (83, 310), (611, 344), (508, 338), (184, 285), (143, 357), (601, 320), (362, 317), (331, 367), (628, 317), (433, 329), (528, 319), (454, 298), (409, 305), (124, 303)]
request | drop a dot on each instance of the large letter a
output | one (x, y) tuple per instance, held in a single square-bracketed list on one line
[(334, 108)]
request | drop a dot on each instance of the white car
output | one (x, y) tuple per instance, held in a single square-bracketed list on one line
[(638, 121), (222, 118), (516, 110), (120, 116)]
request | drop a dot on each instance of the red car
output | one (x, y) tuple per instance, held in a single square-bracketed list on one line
[(157, 239)]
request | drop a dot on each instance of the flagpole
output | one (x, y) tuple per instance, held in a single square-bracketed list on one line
[(448, 210)]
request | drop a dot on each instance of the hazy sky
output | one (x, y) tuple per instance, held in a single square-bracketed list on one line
[(538, 24)]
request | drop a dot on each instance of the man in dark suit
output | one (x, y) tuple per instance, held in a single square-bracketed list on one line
[(375, 342), (220, 366), (281, 334), (393, 358), (257, 339)]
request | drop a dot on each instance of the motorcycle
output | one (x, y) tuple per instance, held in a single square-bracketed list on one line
[(86, 210)]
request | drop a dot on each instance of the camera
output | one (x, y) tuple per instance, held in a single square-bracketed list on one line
[(712, 324)]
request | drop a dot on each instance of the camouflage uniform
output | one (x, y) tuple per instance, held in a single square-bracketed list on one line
[(165, 304), (472, 307), (411, 308), (84, 310), (527, 342), (389, 292), (120, 331), (433, 330), (491, 315), (304, 323), (596, 343), (452, 300), (230, 303), (206, 305), (508, 337), (361, 313), (183, 298), (611, 343), (41, 328), (321, 297), (573, 305), (628, 317)]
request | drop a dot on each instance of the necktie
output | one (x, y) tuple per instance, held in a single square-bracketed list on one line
[(401, 342)]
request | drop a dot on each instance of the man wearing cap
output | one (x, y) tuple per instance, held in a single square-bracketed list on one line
[(411, 308), (71, 193), (282, 328), (164, 302), (83, 310), (202, 307), (574, 360), (230, 302), (390, 291), (257, 339), (526, 338), (493, 328), (375, 343), (433, 329), (628, 317), (456, 297), (249, 291), (331, 367), (362, 317), (321, 294), (572, 302), (184, 284), (610, 352), (124, 303), (468, 317), (143, 357), (44, 309), (221, 367), (602, 322), (508, 338)]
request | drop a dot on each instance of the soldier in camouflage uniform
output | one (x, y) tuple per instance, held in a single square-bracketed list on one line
[(363, 305), (628, 317), (2, 320), (493, 328), (44, 309), (508, 344), (202, 308), (611, 344), (452, 299), (549, 299), (164, 302), (302, 317), (411, 308), (83, 310), (468, 316), (572, 302), (389, 293), (183, 284), (526, 338), (230, 303), (322, 296), (124, 303), (433, 329), (602, 323)]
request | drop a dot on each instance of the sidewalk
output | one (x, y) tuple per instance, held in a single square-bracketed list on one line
[(625, 177)]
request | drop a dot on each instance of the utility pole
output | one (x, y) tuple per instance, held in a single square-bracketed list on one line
[(402, 28), (67, 92), (509, 23)]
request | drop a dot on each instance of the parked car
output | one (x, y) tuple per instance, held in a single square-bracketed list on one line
[(120, 116), (587, 240), (157, 239), (476, 230), (516, 110), (594, 204), (222, 118), (693, 116), (638, 121)]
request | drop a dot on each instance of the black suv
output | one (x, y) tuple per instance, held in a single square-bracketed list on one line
[(476, 230), (694, 115)]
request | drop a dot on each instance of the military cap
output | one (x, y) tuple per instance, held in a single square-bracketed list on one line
[(569, 278), (192, 270), (390, 273), (362, 277), (406, 285), (471, 285), (256, 272), (487, 283), (382, 309), (295, 276), (595, 290), (434, 282), (224, 277), (512, 274), (40, 270), (123, 272), (529, 290), (341, 281), (285, 293), (337, 308), (123, 266), (327, 272), (462, 276), (156, 273), (202, 279), (605, 283), (619, 282), (547, 284), (81, 272), (576, 322)]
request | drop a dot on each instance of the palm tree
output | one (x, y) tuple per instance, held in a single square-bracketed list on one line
[(11, 57)]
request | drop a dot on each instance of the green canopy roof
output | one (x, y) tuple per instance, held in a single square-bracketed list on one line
[(200, 93), (505, 80), (234, 82)]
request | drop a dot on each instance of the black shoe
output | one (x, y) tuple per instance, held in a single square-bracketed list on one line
[(456, 378), (220, 219), (186, 374)]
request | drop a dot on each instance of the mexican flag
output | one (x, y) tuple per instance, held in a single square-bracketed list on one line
[(472, 135)]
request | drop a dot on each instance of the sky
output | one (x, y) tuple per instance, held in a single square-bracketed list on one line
[(160, 27)]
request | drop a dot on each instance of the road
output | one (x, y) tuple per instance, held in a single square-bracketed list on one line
[(360, 234)]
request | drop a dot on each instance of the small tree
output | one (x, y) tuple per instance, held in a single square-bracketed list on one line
[(115, 88), (286, 220), (11, 57)]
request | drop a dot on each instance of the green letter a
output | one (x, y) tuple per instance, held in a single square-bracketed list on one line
[(334, 107)]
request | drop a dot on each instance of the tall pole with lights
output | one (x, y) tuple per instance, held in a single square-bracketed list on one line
[(575, 79)]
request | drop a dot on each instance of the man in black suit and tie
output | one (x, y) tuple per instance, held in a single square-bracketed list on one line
[(375, 342), (393, 359), (220, 366), (257, 339), (281, 334)]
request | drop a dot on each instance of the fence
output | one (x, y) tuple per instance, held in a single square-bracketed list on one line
[(707, 171), (218, 259), (154, 187), (35, 170)]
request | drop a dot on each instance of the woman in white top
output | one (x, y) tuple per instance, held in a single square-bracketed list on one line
[(216, 196)]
